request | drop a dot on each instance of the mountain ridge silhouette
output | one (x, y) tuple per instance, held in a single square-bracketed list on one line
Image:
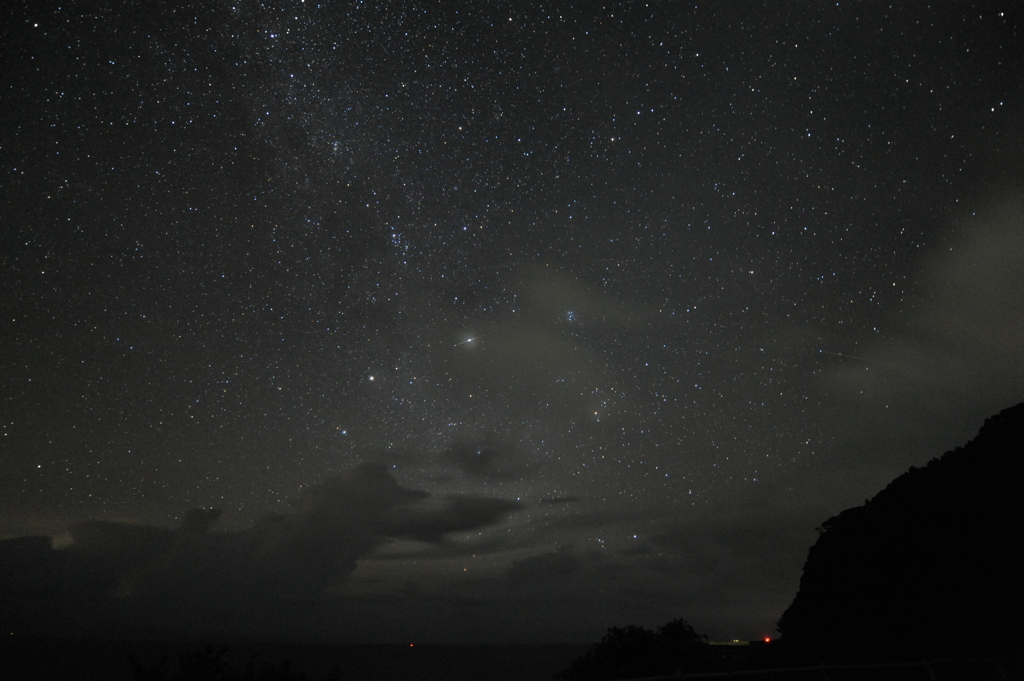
[(932, 562)]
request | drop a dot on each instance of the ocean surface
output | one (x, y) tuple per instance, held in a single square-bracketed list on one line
[(30, 659)]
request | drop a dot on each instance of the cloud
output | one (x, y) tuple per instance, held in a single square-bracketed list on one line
[(545, 569), (553, 295), (560, 500), (457, 514), (485, 458), (720, 567), (195, 577), (958, 358), (969, 332), (548, 350)]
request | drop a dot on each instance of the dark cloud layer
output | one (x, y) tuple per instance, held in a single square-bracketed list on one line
[(487, 457), (195, 578)]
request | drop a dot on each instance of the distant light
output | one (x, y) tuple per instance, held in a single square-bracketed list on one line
[(411, 645), (767, 639)]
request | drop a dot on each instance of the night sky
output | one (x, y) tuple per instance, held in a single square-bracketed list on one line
[(638, 293)]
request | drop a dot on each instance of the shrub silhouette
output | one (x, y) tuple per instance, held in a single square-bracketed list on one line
[(634, 652)]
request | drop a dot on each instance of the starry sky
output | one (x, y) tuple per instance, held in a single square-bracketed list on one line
[(551, 315)]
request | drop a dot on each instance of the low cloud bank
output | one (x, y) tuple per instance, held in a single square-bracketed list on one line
[(118, 578)]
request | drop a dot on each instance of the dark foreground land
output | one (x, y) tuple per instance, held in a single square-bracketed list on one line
[(941, 669), (782, 663), (32, 659)]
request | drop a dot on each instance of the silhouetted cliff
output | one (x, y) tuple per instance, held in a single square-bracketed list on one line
[(933, 562)]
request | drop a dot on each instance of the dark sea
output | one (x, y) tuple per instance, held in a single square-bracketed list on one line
[(31, 659)]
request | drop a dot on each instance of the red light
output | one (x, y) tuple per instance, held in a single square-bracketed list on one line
[(767, 639), (411, 645)]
